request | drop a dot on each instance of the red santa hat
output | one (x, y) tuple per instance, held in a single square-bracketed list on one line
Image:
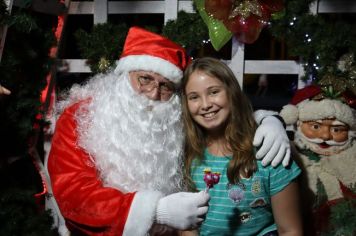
[(144, 50), (305, 107)]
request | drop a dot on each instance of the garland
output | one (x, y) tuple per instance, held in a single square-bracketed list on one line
[(192, 37), (320, 40), (23, 69), (24, 66), (102, 46)]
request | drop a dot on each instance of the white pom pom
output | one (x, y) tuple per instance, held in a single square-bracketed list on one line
[(290, 114)]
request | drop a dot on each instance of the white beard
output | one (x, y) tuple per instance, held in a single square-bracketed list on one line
[(135, 143)]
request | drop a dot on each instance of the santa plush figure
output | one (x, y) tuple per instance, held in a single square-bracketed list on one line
[(324, 137)]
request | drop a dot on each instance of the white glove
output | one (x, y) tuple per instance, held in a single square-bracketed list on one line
[(274, 140), (183, 210)]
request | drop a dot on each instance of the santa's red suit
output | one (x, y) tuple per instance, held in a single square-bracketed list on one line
[(111, 159), (102, 183), (70, 166)]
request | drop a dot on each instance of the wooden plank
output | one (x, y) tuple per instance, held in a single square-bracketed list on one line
[(337, 6), (80, 8), (129, 7), (237, 60), (271, 67), (100, 11), (76, 65), (136, 7), (236, 64), (186, 6), (171, 10)]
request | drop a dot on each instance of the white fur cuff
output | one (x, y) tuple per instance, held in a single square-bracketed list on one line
[(142, 213)]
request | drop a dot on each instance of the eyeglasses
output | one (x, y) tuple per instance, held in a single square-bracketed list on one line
[(148, 83)]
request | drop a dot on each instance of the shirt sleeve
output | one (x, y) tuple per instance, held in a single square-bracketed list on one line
[(281, 176), (86, 205)]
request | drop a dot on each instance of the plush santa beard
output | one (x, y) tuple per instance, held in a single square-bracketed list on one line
[(135, 143), (304, 142)]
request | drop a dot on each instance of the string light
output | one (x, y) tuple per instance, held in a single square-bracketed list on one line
[(293, 21)]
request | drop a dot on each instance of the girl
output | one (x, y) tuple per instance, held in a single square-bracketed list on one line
[(249, 199)]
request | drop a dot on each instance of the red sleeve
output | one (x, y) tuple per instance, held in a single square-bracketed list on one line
[(86, 205)]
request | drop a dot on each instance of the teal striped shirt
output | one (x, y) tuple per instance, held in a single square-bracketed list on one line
[(243, 209)]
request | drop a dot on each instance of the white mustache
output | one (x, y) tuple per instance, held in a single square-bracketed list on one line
[(328, 142)]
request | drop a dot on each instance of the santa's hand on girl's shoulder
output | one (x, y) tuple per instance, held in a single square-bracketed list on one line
[(272, 142)]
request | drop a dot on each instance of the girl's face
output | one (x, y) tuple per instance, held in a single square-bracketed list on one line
[(207, 99)]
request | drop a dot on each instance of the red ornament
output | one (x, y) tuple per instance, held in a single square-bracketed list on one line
[(219, 9), (245, 30), (272, 5), (244, 18), (349, 98)]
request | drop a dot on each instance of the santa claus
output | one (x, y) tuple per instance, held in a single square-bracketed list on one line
[(116, 157), (325, 141)]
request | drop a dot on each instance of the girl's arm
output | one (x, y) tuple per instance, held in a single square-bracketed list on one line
[(286, 211)]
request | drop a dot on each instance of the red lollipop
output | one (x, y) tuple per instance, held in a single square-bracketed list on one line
[(211, 178)]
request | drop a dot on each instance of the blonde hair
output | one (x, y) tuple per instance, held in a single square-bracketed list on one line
[(239, 129)]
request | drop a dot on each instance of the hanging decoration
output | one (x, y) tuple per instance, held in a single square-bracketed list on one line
[(244, 19), (218, 33)]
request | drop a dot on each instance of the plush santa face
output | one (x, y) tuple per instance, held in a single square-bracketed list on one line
[(324, 126), (324, 136)]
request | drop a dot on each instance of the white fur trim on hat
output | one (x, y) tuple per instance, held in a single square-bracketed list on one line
[(289, 113), (142, 213), (150, 63), (315, 110)]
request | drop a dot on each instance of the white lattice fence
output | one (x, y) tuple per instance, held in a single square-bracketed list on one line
[(102, 8)]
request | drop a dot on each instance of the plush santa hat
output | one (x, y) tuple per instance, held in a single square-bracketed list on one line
[(305, 107), (144, 50)]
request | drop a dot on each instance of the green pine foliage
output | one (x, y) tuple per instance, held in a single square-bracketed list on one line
[(318, 39), (24, 66), (104, 42), (20, 213), (342, 219), (321, 197), (187, 30)]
